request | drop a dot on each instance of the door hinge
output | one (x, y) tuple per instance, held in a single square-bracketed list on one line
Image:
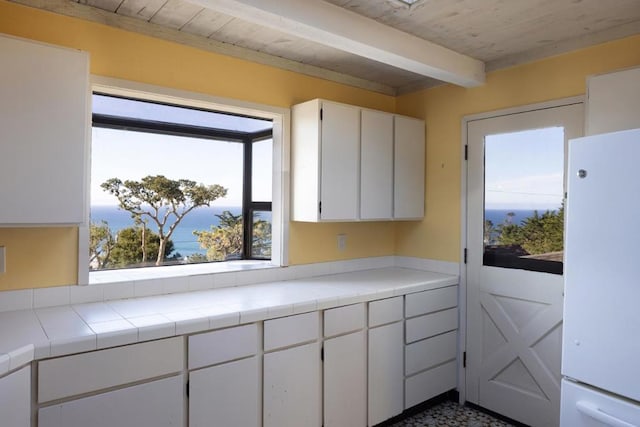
[(187, 388), (322, 354), (320, 207), (466, 152), (464, 359), (465, 255), (321, 113)]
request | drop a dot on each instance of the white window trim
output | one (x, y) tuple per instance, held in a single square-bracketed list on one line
[(281, 152)]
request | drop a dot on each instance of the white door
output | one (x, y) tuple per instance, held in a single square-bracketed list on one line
[(515, 216)]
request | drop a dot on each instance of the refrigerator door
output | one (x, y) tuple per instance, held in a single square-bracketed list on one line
[(601, 336), (582, 406)]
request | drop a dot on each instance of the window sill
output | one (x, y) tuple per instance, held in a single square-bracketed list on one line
[(175, 271)]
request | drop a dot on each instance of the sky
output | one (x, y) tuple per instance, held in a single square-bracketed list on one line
[(133, 155), (524, 170)]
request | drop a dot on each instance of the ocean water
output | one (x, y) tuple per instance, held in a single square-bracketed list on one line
[(498, 216), (183, 239)]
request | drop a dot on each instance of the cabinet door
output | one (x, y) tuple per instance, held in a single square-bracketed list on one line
[(409, 159), (345, 381), (386, 376), (613, 102), (376, 165), (226, 395), (15, 398), (340, 153), (156, 404), (44, 117), (292, 387)]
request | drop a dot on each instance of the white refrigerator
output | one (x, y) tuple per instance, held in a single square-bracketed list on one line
[(601, 335)]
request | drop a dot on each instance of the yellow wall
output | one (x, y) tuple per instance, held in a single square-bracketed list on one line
[(438, 235), (116, 53), (47, 257)]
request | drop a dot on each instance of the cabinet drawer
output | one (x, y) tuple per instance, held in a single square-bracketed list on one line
[(584, 406), (343, 320), (432, 324), (429, 301), (423, 355), (87, 372), (157, 403), (385, 311), (222, 346), (428, 384), (291, 330)]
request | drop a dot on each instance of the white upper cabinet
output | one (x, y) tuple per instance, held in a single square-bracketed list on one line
[(325, 155), (409, 158), (613, 101), (376, 169), (352, 164), (340, 135), (44, 117)]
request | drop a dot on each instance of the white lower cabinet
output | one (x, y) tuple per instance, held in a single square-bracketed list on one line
[(138, 385), (158, 403), (364, 364), (345, 367), (226, 395), (292, 387), (292, 374), (386, 372), (431, 340), (15, 398)]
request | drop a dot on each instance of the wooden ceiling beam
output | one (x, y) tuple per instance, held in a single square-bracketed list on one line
[(342, 29)]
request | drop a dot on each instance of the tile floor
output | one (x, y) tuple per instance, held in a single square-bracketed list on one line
[(448, 414)]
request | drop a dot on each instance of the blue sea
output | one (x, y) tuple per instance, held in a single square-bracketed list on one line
[(183, 239), (498, 216)]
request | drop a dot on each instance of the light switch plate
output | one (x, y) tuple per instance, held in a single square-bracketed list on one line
[(3, 261), (342, 242)]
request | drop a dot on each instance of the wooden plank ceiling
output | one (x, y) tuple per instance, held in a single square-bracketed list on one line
[(499, 33)]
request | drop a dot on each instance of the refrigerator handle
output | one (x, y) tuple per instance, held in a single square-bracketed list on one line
[(592, 410)]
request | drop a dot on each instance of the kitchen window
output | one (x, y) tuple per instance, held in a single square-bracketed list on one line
[(176, 184)]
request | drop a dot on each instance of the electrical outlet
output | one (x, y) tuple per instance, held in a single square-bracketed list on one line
[(342, 242), (3, 261)]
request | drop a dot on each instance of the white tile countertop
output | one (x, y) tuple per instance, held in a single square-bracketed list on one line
[(27, 335)]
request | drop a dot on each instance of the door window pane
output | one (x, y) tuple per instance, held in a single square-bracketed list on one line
[(523, 200)]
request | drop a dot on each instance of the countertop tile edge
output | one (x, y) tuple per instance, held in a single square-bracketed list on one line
[(13, 358)]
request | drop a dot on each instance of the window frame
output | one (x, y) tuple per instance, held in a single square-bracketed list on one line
[(280, 136)]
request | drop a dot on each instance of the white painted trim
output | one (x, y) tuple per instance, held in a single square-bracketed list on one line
[(281, 118), (462, 301), (462, 286), (339, 28), (522, 109)]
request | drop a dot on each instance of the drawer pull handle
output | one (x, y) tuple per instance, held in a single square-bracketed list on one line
[(592, 410)]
